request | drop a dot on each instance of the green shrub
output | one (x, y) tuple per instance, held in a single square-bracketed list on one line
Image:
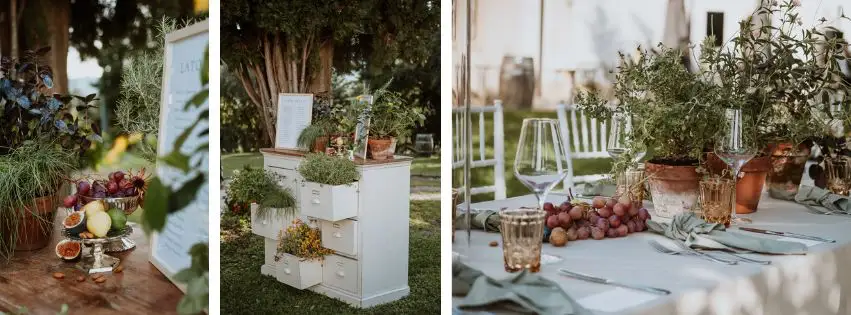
[(323, 169), (254, 185)]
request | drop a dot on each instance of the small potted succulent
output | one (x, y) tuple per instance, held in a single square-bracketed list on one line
[(330, 188), (390, 120), (44, 135), (261, 189), (676, 117), (299, 257)]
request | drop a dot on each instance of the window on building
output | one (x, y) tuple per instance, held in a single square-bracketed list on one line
[(715, 26)]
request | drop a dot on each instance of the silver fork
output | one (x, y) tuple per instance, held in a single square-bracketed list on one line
[(665, 250)]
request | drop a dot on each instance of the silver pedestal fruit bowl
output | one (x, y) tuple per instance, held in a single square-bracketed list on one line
[(128, 205), (95, 260)]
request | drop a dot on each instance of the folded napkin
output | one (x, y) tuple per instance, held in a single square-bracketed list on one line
[(823, 201), (488, 220), (600, 188), (521, 293), (695, 232)]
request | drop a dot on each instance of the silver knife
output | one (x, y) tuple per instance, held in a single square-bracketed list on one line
[(788, 234), (585, 277)]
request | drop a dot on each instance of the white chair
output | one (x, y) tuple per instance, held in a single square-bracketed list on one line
[(481, 160), (586, 139)]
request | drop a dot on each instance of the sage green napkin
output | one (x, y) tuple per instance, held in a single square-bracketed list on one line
[(488, 220), (521, 293), (600, 188), (698, 233), (823, 201)]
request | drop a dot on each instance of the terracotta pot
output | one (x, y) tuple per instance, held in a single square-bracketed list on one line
[(34, 225), (382, 149), (751, 180), (319, 144), (673, 189), (787, 169)]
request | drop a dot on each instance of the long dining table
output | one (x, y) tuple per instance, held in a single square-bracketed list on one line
[(816, 283)]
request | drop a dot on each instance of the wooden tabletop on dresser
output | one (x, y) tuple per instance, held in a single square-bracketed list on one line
[(27, 282), (358, 161)]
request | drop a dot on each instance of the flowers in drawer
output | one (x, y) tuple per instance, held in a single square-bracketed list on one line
[(303, 241)]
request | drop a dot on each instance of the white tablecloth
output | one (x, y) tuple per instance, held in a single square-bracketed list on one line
[(813, 284)]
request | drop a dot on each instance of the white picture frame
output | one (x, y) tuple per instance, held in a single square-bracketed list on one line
[(184, 54), (295, 112)]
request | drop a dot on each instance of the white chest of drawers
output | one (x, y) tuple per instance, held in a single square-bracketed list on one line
[(370, 264)]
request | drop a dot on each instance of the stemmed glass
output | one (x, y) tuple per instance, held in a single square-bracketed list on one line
[(735, 150), (540, 163), (621, 127)]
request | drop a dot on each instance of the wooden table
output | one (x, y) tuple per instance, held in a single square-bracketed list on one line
[(27, 281)]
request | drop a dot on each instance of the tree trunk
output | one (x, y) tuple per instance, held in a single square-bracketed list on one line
[(60, 16), (322, 79), (13, 27)]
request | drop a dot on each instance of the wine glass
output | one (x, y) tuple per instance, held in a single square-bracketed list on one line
[(735, 150), (619, 131), (540, 163)]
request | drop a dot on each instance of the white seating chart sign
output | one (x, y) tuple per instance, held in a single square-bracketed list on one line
[(294, 114), (184, 57)]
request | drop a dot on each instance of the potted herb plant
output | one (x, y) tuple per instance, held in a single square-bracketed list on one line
[(298, 262), (261, 189), (42, 138), (390, 120), (330, 189), (332, 126), (675, 116), (782, 77)]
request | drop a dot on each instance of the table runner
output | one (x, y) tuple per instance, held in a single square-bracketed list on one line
[(816, 283)]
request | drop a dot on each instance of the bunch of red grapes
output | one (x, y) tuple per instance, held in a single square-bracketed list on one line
[(118, 184), (612, 217)]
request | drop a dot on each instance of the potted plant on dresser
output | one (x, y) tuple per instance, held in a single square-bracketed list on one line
[(262, 190), (675, 115), (783, 77), (40, 142), (391, 120), (330, 188), (298, 262)]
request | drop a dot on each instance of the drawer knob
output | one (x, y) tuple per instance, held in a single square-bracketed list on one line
[(265, 222), (315, 201), (287, 270), (338, 235), (340, 274)]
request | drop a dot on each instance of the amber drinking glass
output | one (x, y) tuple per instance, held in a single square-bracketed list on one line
[(716, 200), (838, 175), (522, 237)]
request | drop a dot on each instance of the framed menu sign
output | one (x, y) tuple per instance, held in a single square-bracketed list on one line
[(184, 57), (294, 114)]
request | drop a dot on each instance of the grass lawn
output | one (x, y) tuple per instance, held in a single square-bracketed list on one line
[(245, 291), (237, 161)]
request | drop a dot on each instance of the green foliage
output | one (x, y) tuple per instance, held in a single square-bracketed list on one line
[(391, 117), (254, 185), (113, 31), (35, 169), (138, 108), (675, 113), (242, 128), (301, 241), (327, 170), (784, 77), (30, 112)]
